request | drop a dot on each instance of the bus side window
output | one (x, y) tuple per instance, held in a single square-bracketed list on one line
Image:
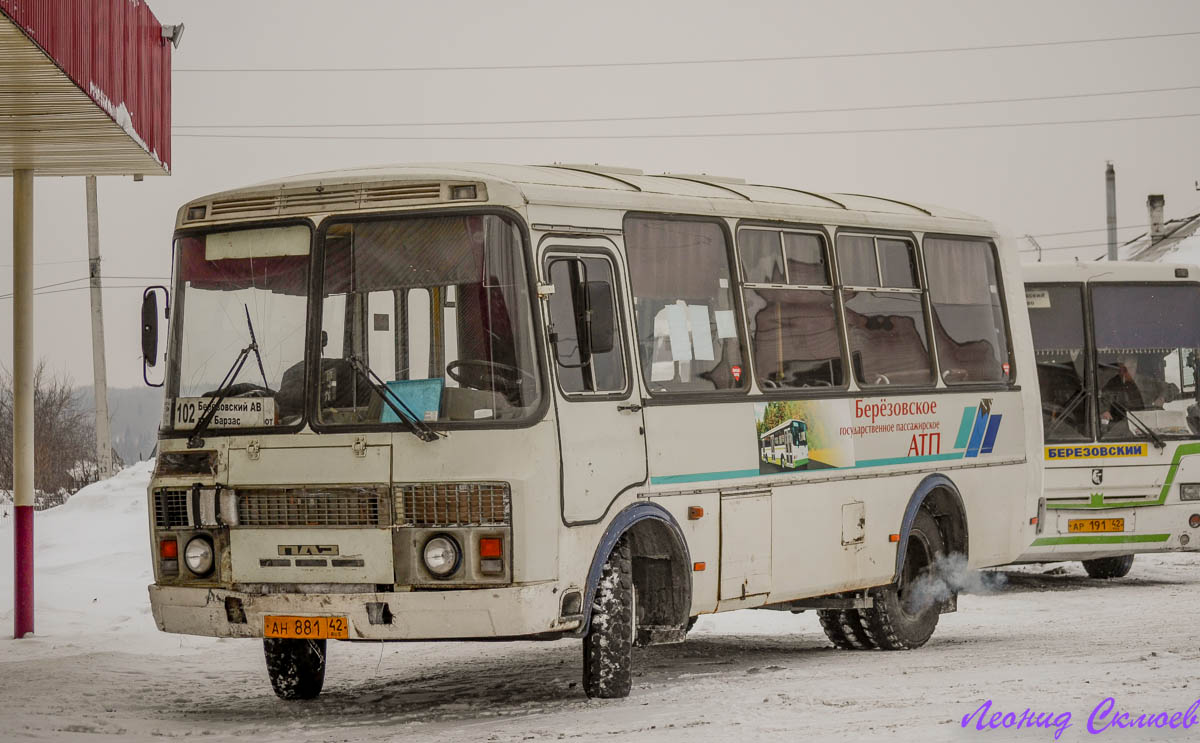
[(578, 330), (788, 294), (969, 326), (885, 311), (688, 335)]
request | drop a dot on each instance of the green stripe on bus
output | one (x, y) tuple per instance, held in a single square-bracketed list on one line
[(964, 428), (703, 476), (907, 460), (1102, 539)]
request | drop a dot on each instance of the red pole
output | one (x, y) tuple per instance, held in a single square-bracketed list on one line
[(23, 400), (23, 547)]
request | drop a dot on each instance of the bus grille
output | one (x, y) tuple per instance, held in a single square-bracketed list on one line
[(170, 507), (453, 504), (316, 507)]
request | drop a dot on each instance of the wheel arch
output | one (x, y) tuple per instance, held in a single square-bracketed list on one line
[(661, 565), (940, 496)]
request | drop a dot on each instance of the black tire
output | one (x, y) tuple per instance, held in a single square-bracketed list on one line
[(844, 629), (893, 623), (296, 667), (691, 623), (608, 644), (1109, 567)]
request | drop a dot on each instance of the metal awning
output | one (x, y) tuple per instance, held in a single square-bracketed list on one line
[(60, 64)]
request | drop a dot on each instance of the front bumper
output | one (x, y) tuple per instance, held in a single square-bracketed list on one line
[(515, 611), (1162, 528)]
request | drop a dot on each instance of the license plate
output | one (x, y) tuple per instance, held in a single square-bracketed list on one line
[(306, 628), (1095, 525)]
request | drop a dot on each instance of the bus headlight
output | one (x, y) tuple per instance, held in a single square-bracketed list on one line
[(198, 556), (442, 556), (1189, 491)]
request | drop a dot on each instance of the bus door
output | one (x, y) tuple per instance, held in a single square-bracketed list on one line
[(601, 431)]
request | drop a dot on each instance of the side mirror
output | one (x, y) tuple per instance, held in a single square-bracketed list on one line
[(150, 328), (600, 324)]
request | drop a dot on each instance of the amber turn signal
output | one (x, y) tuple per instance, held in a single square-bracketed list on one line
[(168, 549), (695, 512), (698, 566), (491, 547), (893, 537)]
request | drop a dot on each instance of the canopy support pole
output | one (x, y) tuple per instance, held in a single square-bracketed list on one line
[(23, 401)]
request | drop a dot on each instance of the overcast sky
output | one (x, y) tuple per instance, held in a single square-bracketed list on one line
[(1037, 179)]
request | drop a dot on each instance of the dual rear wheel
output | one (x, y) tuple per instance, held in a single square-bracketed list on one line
[(903, 615)]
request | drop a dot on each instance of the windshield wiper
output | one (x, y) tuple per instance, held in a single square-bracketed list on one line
[(1129, 416), (226, 385), (402, 411), (1073, 403), (222, 392), (254, 345)]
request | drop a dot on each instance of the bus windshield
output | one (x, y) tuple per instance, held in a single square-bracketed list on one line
[(1146, 349), (428, 318), (232, 287), (1056, 318)]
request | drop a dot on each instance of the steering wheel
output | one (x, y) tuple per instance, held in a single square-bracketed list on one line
[(488, 375)]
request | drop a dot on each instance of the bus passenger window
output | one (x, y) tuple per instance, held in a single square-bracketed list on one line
[(968, 320), (583, 368), (885, 314), (793, 322), (687, 332)]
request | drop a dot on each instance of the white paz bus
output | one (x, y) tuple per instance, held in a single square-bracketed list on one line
[(1116, 347), (487, 401)]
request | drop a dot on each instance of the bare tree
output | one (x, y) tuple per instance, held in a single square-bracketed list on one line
[(64, 434)]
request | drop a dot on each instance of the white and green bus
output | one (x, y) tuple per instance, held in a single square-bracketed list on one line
[(1116, 346), (786, 445), (456, 402)]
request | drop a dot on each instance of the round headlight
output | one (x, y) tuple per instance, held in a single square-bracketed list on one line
[(441, 556), (198, 555)]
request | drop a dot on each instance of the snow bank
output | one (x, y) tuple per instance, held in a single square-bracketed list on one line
[(91, 569)]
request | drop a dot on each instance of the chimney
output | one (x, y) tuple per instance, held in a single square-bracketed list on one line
[(1154, 205)]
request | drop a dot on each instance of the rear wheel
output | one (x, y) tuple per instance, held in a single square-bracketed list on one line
[(905, 614), (844, 629), (296, 667), (608, 644), (1109, 567)]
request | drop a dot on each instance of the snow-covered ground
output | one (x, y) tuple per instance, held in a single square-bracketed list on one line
[(1053, 641)]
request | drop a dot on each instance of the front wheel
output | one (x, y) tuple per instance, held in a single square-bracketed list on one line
[(608, 644), (296, 667), (905, 614), (1109, 567)]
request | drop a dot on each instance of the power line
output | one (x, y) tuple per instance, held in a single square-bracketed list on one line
[(38, 289), (682, 62), (689, 135), (676, 117), (1098, 229), (141, 287), (49, 263)]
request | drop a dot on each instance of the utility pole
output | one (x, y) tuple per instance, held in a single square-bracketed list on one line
[(99, 371), (1110, 183)]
